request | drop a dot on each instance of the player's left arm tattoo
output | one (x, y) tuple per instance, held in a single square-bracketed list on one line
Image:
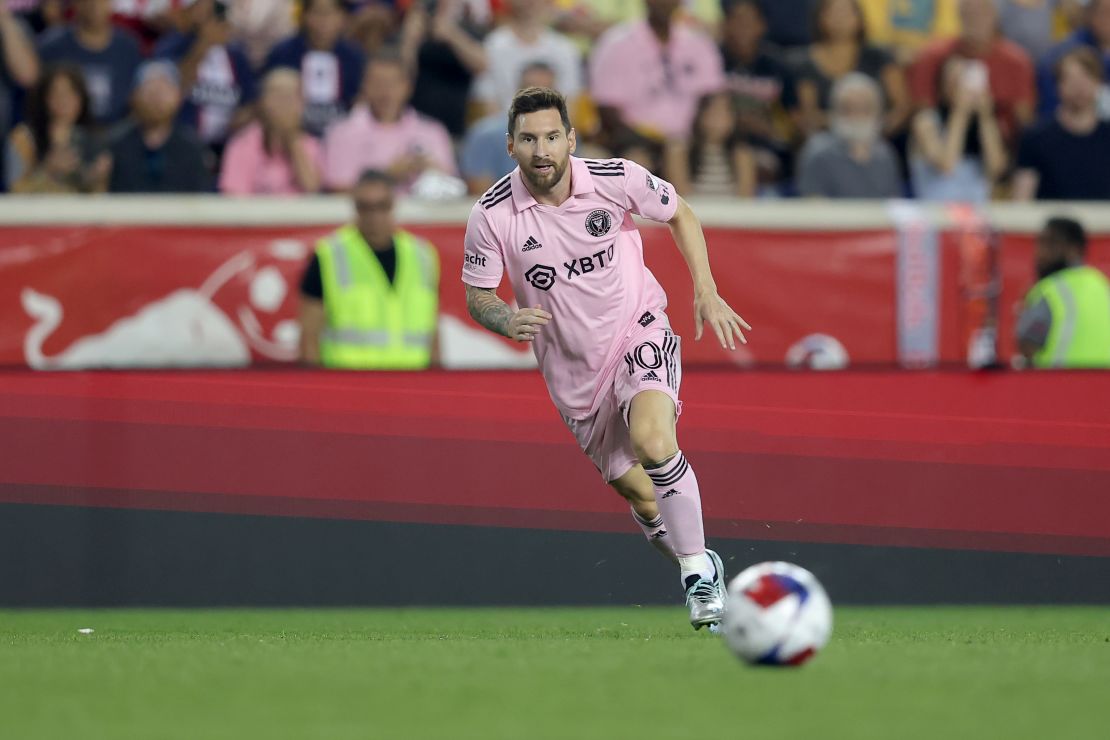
[(488, 310)]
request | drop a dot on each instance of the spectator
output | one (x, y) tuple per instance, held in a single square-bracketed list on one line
[(330, 67), (370, 294), (158, 153), (647, 76), (444, 56), (215, 72), (851, 160), (1066, 321), (524, 38), (957, 152), (716, 160), (1094, 35), (273, 156), (1009, 69), (19, 65), (1065, 158), (841, 47), (373, 23), (757, 77), (485, 157), (384, 132), (55, 149), (259, 25), (108, 56), (906, 26), (587, 20), (786, 21)]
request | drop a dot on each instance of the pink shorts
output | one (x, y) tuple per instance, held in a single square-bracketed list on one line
[(651, 363)]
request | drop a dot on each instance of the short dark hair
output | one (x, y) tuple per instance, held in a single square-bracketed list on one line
[(372, 176), (1087, 59), (532, 99), (729, 6), (1066, 231)]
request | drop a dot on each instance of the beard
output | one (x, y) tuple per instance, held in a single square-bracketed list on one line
[(1044, 269), (856, 132), (543, 182)]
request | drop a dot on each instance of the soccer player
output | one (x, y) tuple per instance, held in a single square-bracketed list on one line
[(562, 228)]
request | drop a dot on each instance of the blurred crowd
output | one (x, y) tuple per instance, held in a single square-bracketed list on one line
[(963, 100)]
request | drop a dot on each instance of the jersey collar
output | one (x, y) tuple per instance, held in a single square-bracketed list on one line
[(581, 183)]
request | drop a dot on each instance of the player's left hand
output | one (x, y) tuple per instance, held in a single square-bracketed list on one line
[(710, 308)]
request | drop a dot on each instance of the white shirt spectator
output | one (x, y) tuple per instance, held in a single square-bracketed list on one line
[(509, 55)]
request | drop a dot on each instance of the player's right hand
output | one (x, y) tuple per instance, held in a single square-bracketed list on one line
[(526, 323)]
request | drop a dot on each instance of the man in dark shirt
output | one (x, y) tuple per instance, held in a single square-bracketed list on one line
[(108, 56), (445, 55), (1065, 158), (215, 72), (158, 154), (331, 67)]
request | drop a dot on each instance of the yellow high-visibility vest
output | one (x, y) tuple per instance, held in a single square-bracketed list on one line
[(372, 323), (1079, 337)]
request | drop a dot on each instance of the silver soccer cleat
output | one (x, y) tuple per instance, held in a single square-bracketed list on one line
[(706, 598)]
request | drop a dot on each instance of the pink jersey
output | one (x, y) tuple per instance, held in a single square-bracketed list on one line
[(583, 262)]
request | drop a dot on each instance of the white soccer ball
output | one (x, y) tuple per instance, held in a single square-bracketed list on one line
[(777, 614)]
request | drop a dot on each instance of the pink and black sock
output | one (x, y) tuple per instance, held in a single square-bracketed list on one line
[(657, 535), (679, 500)]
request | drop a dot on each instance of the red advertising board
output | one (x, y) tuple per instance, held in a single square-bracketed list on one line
[(90, 296)]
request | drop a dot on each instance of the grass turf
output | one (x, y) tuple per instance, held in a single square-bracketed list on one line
[(895, 674)]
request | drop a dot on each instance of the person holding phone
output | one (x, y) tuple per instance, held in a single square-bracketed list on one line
[(1010, 74), (956, 148)]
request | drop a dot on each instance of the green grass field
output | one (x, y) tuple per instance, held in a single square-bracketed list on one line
[(895, 674)]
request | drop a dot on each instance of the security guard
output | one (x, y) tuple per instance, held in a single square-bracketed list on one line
[(1066, 321), (370, 295)]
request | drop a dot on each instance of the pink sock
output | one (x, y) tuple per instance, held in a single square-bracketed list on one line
[(657, 535), (679, 499)]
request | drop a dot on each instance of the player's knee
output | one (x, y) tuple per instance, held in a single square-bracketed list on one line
[(654, 446)]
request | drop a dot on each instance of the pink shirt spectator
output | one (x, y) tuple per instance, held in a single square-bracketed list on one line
[(655, 87), (582, 261), (359, 142), (248, 169)]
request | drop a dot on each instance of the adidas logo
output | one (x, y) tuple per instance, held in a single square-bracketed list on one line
[(659, 535), (672, 492), (531, 244), (650, 375)]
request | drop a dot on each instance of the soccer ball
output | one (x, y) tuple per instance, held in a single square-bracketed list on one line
[(777, 614)]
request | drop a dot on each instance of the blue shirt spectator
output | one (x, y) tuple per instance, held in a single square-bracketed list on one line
[(484, 158), (108, 57), (331, 68), (1095, 36), (216, 74)]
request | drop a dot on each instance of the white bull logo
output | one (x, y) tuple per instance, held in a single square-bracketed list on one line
[(184, 329)]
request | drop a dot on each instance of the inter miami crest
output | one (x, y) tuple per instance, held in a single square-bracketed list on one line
[(598, 223)]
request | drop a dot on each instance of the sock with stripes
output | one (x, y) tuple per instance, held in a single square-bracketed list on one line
[(679, 500), (657, 535)]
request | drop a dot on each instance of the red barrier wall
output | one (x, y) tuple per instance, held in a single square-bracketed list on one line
[(89, 296), (1007, 462)]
